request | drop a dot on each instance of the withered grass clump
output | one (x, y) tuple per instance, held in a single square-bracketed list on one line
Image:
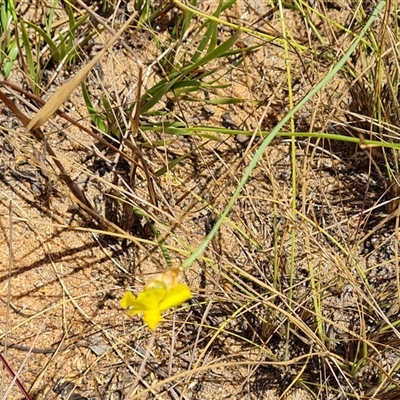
[(189, 132), (374, 114)]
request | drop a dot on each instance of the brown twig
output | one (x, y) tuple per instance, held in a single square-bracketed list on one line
[(36, 350), (14, 377)]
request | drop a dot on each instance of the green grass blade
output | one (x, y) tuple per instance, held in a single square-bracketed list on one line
[(32, 67), (187, 20), (94, 114), (47, 38), (9, 46), (165, 85), (51, 16), (274, 132)]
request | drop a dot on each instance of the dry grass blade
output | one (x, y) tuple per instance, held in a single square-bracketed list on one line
[(287, 303), (65, 90), (83, 128)]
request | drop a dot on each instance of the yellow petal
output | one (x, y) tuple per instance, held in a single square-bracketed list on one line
[(150, 298), (147, 300), (152, 318), (127, 300), (134, 306), (175, 297)]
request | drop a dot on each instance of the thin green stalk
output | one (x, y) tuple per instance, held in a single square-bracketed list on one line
[(235, 26), (294, 174), (179, 129), (277, 129)]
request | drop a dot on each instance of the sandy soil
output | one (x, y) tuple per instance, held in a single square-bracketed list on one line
[(61, 278)]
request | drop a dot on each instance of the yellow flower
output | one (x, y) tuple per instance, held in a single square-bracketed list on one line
[(154, 299)]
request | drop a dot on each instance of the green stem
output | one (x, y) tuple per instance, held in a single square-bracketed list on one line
[(277, 129)]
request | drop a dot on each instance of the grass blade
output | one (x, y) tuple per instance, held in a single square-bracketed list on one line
[(65, 90), (274, 132)]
